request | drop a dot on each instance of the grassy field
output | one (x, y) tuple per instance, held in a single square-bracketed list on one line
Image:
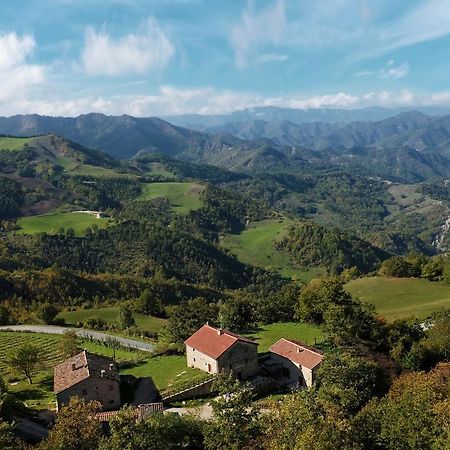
[(146, 323), (12, 144), (168, 372), (269, 334), (256, 245), (401, 297), (51, 223), (158, 169), (183, 197)]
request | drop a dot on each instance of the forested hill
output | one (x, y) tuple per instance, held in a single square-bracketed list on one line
[(408, 147)]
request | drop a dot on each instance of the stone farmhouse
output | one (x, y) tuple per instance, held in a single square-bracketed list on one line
[(214, 350), (90, 377), (298, 363)]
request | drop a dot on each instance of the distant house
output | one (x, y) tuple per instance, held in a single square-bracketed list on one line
[(90, 377), (298, 362), (214, 350)]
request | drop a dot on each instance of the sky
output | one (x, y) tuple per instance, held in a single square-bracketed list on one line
[(165, 57)]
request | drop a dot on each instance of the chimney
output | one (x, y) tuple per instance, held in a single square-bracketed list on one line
[(219, 331), (102, 373), (111, 366), (74, 367), (299, 349)]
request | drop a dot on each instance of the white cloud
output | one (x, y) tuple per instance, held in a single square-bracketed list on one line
[(390, 71), (256, 30), (148, 50), (169, 100), (16, 75)]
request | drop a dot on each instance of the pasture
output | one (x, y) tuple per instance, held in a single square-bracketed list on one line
[(183, 197), (52, 223), (395, 298), (269, 334), (110, 315), (12, 144), (256, 245)]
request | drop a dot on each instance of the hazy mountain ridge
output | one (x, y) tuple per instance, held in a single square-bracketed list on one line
[(410, 146)]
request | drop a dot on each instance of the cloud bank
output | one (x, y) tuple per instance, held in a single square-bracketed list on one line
[(148, 50)]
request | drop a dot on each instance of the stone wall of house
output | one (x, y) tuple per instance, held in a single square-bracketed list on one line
[(241, 358), (199, 360), (294, 373), (104, 390)]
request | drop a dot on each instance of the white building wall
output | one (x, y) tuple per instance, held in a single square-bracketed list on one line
[(200, 361)]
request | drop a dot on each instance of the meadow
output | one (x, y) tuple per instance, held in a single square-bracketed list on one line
[(183, 197), (51, 223), (395, 298), (256, 245), (110, 315), (267, 335), (169, 373), (12, 143)]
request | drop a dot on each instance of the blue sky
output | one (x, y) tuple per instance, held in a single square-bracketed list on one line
[(158, 57)]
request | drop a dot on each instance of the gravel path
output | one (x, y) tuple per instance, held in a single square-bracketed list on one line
[(51, 329)]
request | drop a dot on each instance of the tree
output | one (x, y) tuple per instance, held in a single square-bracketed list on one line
[(5, 315), (302, 422), (235, 420), (188, 317), (68, 346), (126, 319), (350, 382), (24, 360), (70, 232), (158, 431), (75, 427), (236, 314), (397, 266), (150, 303), (47, 313), (414, 415)]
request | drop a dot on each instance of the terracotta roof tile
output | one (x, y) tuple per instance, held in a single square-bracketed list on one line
[(82, 366), (294, 351), (214, 341)]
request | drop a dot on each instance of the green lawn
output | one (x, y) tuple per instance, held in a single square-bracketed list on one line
[(269, 334), (183, 197), (146, 323), (168, 372), (12, 143), (51, 223), (256, 245), (401, 297)]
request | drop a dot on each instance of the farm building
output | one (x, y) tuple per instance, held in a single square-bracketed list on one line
[(90, 377), (213, 350), (297, 362)]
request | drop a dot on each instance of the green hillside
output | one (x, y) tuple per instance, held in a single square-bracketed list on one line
[(256, 245), (111, 315), (13, 143), (401, 297), (51, 223), (183, 197)]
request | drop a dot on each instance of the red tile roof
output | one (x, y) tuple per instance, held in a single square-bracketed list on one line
[(82, 366), (294, 351), (214, 341)]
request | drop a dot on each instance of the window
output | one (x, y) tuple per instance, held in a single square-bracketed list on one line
[(194, 359)]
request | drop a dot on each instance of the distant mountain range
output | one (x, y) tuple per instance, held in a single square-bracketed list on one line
[(272, 113), (410, 146)]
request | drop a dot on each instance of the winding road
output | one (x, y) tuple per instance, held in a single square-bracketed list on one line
[(82, 333)]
